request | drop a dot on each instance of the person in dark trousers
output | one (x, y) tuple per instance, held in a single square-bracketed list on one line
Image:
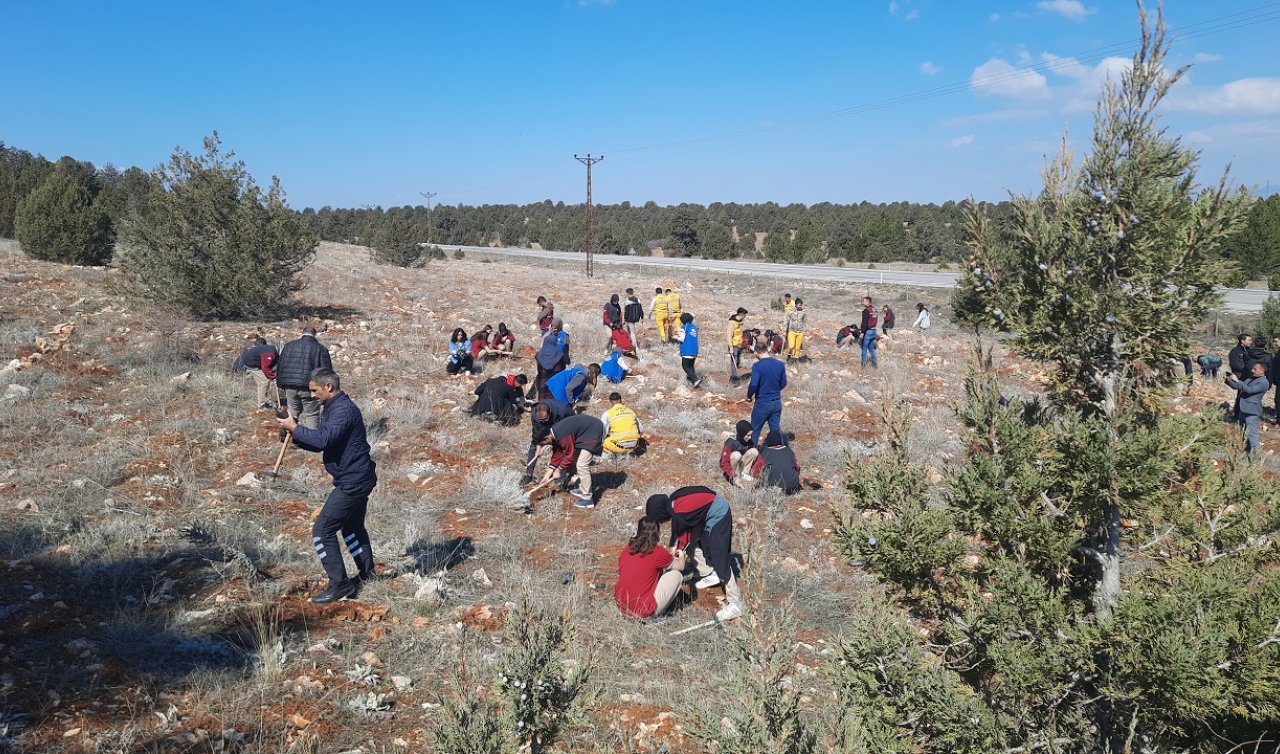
[(569, 385), (542, 418), (869, 335), (888, 319), (776, 466), (768, 378), (689, 349), (1237, 364), (500, 400), (1209, 365), (576, 442), (1273, 376), (552, 356), (298, 359), (340, 438), (1249, 392), (702, 525), (459, 354), (258, 361), (632, 313)]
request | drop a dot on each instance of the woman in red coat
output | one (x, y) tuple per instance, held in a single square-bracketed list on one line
[(649, 576)]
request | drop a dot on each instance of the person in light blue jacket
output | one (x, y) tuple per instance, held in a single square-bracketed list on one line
[(689, 349)]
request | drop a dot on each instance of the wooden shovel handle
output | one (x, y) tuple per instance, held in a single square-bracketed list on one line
[(280, 456)]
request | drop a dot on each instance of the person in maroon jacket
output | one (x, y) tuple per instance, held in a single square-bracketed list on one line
[(776, 466), (702, 523), (649, 575)]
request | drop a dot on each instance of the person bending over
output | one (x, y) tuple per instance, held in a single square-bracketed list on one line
[(738, 455)]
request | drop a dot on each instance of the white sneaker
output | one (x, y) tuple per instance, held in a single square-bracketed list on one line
[(729, 612), (708, 581), (746, 480)]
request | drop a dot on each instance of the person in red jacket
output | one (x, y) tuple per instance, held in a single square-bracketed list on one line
[(649, 575)]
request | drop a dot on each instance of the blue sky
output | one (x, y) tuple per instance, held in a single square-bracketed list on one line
[(356, 104)]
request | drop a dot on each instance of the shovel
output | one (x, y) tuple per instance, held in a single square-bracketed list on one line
[(286, 438)]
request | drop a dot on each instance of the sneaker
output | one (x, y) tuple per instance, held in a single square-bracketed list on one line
[(267, 407), (526, 480), (708, 581), (584, 502), (729, 612), (746, 480), (335, 592), (697, 382)]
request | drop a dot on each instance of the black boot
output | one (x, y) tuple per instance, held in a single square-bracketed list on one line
[(339, 591)]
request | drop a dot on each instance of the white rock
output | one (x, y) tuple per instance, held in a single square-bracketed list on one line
[(16, 392), (184, 377), (806, 523), (249, 480), (402, 682), (12, 366)]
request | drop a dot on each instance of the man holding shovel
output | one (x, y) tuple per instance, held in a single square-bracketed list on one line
[(341, 439)]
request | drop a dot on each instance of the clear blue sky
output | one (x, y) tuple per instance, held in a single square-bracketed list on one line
[(487, 102)]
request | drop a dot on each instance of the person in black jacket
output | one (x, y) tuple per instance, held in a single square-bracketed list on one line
[(702, 525), (632, 313), (612, 320), (776, 466), (542, 418), (500, 400), (298, 359), (340, 437)]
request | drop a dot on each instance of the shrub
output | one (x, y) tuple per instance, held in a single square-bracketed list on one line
[(394, 241), (1269, 318), (458, 254), (60, 222), (1273, 282), (210, 241)]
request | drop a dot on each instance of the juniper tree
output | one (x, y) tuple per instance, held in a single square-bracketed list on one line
[(1118, 591), (60, 221), (210, 241)]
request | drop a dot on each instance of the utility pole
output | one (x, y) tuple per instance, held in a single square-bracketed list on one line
[(589, 161), (429, 196)]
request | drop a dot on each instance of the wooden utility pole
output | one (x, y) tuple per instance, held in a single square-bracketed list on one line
[(589, 161), (429, 196)]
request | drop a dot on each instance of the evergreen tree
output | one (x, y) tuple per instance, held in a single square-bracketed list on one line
[(60, 221), (209, 240)]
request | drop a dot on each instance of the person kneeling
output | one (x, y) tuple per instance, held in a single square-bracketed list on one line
[(738, 455), (500, 399), (621, 427), (649, 576), (777, 465)]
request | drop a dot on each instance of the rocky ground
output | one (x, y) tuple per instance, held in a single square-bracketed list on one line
[(155, 578)]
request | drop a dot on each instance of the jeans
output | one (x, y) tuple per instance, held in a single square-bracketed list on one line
[(869, 346), (765, 411), (344, 511)]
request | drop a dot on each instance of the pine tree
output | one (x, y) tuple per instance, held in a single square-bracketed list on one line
[(210, 241)]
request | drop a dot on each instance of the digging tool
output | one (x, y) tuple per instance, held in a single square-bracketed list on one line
[(285, 438), (691, 629)]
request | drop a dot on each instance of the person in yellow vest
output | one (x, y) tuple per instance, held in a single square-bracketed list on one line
[(660, 316), (621, 427), (794, 322), (673, 309), (787, 303), (734, 340)]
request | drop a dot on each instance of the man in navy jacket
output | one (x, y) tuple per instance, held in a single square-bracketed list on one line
[(341, 440), (768, 378)]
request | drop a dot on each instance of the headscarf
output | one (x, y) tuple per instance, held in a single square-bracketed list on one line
[(743, 431), (658, 508)]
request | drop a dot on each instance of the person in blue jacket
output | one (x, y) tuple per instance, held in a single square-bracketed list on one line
[(567, 386), (689, 349), (615, 367), (341, 441), (768, 378)]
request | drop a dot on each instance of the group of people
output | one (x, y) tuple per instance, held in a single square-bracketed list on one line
[(562, 433), (1253, 371)]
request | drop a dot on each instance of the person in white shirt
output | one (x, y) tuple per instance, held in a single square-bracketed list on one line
[(922, 318)]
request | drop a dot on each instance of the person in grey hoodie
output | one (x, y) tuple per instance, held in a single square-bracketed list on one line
[(1249, 392)]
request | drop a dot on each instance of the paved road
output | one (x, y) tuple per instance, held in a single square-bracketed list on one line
[(1235, 299)]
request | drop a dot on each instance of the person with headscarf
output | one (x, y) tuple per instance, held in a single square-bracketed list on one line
[(776, 465), (612, 319), (552, 356), (702, 524), (738, 455)]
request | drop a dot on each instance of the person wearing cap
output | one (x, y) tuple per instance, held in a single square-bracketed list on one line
[(738, 455), (702, 524), (794, 325), (649, 575), (733, 336), (660, 316), (776, 465)]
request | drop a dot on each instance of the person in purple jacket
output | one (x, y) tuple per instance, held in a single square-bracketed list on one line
[(341, 440)]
